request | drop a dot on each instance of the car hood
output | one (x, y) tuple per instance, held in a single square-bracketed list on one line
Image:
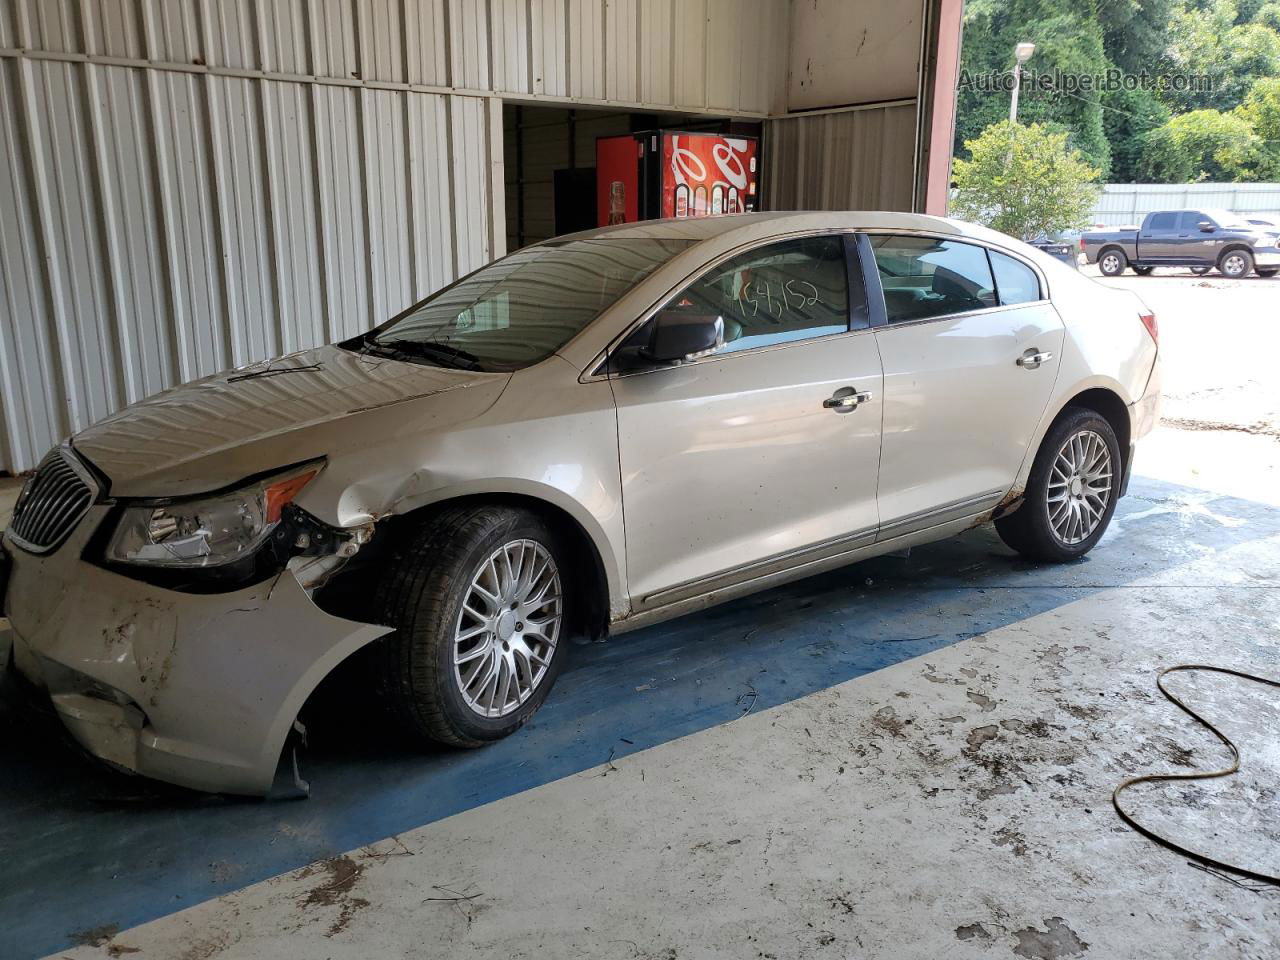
[(214, 432)]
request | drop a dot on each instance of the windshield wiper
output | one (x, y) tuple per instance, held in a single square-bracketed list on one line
[(271, 371), (441, 353)]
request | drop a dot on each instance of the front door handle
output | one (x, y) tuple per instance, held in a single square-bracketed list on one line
[(846, 399), (1033, 358)]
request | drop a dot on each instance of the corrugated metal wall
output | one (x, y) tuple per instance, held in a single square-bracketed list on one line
[(860, 158), (1127, 203), (188, 185)]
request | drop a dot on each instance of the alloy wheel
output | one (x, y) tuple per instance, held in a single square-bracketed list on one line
[(1234, 265), (508, 628), (1111, 263), (1079, 488)]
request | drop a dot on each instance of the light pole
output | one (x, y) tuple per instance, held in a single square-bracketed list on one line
[(1021, 54)]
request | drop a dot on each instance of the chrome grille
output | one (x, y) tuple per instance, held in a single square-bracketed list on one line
[(52, 503)]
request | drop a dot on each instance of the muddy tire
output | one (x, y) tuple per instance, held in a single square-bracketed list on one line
[(1071, 493), (1235, 264), (1111, 262), (476, 595)]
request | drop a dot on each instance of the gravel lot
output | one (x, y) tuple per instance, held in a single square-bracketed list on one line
[(1219, 340)]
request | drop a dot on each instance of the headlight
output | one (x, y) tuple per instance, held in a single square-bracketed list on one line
[(208, 531)]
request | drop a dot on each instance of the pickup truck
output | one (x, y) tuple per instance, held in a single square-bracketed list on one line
[(1199, 239)]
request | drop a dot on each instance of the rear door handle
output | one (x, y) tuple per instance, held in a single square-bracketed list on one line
[(846, 399), (1033, 358)]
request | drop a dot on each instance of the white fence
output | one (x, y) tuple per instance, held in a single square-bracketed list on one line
[(1128, 203)]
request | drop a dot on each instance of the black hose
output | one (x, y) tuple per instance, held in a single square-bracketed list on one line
[(1163, 777)]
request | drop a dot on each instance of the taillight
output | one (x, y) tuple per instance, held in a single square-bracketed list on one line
[(1149, 321), (1082, 243)]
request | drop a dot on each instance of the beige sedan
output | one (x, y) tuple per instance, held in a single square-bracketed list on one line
[(591, 434)]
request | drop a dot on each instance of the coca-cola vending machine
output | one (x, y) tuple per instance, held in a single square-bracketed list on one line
[(669, 173)]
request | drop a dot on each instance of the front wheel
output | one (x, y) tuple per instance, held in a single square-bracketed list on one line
[(477, 597), (1112, 263), (1236, 264), (1071, 493)]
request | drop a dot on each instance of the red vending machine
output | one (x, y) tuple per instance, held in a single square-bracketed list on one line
[(668, 173)]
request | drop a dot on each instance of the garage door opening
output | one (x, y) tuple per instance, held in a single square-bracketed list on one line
[(550, 162)]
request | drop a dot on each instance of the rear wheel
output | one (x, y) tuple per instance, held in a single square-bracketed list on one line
[(1071, 493), (1143, 271), (1236, 264), (477, 597), (1112, 263)]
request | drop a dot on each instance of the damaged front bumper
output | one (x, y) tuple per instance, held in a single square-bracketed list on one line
[(199, 690)]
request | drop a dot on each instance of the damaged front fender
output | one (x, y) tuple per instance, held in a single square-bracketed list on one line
[(199, 690)]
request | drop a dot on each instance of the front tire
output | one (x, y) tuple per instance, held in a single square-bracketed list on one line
[(1112, 263), (477, 597), (1071, 493), (1236, 264)]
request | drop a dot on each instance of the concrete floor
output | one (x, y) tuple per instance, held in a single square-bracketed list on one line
[(907, 758)]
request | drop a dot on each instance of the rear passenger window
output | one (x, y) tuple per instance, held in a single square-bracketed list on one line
[(924, 277), (1163, 221), (1015, 281), (786, 291)]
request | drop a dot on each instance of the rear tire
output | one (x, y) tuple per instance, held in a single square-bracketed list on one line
[(451, 596), (1112, 262), (1236, 264), (1065, 509)]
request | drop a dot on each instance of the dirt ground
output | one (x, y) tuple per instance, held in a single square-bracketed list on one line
[(1219, 341)]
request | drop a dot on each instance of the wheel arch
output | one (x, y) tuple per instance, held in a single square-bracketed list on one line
[(1118, 248), (1102, 397), (1108, 405), (1232, 248), (592, 555)]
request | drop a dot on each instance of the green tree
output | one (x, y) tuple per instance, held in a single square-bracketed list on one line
[(1068, 38), (1206, 40), (1203, 145), (1135, 33), (1128, 120), (1261, 110), (1269, 15), (1024, 180)]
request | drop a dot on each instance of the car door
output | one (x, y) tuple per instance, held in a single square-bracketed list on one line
[(970, 360), (1195, 246), (1158, 238), (764, 454)]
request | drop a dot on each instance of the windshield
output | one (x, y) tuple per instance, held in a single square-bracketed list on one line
[(1227, 220), (520, 309)]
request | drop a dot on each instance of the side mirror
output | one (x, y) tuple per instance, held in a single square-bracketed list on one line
[(1206, 226), (678, 336)]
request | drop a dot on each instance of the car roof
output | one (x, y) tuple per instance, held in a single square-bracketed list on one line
[(750, 225)]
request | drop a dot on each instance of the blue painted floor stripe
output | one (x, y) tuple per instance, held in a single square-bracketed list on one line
[(86, 850)]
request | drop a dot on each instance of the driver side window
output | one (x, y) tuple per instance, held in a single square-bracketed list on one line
[(924, 277), (793, 290)]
